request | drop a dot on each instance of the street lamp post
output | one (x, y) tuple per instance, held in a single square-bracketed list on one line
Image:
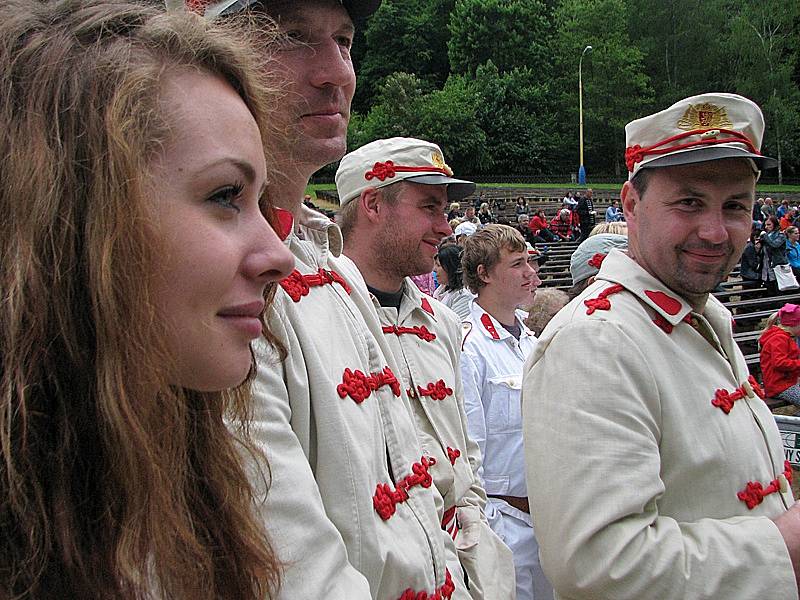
[(581, 170)]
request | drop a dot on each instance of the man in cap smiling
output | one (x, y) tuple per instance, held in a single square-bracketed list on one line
[(349, 509), (664, 469), (394, 193)]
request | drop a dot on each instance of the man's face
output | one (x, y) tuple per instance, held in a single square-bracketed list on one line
[(469, 212), (692, 223), (412, 227), (524, 220), (319, 78), (515, 276)]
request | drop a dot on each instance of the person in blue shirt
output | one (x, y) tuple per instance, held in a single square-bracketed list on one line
[(793, 248), (613, 213)]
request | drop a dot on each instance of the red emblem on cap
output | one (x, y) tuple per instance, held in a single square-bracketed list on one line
[(667, 303), (426, 306), (387, 170), (489, 326)]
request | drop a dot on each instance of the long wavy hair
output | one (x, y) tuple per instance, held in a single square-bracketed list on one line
[(113, 483)]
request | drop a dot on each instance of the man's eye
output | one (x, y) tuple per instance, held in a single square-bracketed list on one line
[(227, 196), (345, 41)]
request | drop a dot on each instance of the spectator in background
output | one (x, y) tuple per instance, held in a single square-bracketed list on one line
[(792, 234), (546, 303), (540, 228), (561, 225), (484, 214), (585, 262), (774, 243), (788, 218), (455, 211), (586, 213), (451, 291), (782, 209), (613, 213), (779, 355), (497, 269), (758, 218), (767, 209), (751, 265), (522, 206)]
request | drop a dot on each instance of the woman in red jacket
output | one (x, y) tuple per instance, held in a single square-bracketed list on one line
[(780, 356)]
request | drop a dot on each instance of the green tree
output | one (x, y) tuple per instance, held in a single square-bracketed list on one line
[(763, 49), (403, 36), (616, 88), (510, 33)]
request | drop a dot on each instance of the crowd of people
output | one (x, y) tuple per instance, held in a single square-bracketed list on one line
[(211, 390)]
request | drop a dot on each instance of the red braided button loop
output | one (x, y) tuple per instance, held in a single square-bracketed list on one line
[(437, 391), (298, 285), (754, 492), (422, 332), (453, 454), (597, 260), (359, 386), (724, 400), (602, 302), (444, 592), (386, 499)]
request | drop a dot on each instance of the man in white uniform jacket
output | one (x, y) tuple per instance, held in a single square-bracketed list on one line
[(663, 470), (331, 416), (498, 267), (393, 194)]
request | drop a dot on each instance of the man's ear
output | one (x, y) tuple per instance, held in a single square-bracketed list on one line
[(630, 200), (370, 204), (483, 274)]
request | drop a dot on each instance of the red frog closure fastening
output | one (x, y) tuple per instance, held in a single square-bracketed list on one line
[(298, 285), (724, 400), (453, 454), (442, 593), (386, 499), (421, 332), (753, 493), (359, 386), (602, 302), (437, 391)]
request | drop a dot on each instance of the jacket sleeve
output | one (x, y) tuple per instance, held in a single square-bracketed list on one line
[(307, 542), (600, 533), (780, 354)]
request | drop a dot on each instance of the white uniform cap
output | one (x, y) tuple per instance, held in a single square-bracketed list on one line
[(697, 129), (589, 255), (384, 162)]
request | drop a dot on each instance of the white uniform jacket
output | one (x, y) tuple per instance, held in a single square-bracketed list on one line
[(659, 467), (491, 368), (349, 507), (425, 338)]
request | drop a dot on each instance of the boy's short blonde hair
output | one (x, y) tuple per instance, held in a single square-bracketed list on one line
[(483, 248)]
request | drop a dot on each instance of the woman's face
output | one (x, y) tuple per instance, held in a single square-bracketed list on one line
[(441, 274), (217, 251), (794, 236), (768, 226)]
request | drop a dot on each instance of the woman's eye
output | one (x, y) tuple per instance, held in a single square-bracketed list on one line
[(227, 196)]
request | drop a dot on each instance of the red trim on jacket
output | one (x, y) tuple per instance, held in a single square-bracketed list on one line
[(359, 386), (753, 493), (437, 391), (421, 332), (444, 592), (298, 285), (386, 499), (723, 399)]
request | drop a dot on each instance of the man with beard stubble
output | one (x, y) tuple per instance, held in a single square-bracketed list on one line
[(664, 469), (349, 504)]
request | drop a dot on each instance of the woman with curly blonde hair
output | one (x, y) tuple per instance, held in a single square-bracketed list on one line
[(137, 261)]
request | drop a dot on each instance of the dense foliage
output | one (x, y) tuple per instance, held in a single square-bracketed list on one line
[(495, 82)]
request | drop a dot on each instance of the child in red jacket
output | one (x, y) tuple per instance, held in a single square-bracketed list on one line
[(780, 356)]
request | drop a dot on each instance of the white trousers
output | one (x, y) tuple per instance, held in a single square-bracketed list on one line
[(515, 528)]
